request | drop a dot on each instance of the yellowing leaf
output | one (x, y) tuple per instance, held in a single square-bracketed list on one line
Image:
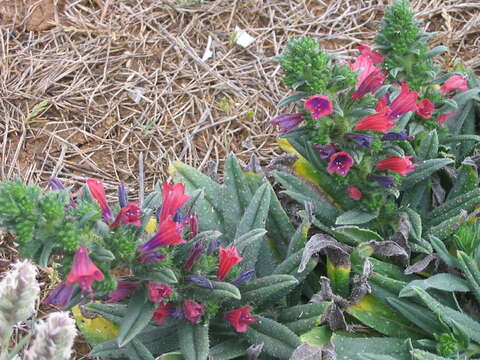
[(96, 330), (151, 226), (285, 146)]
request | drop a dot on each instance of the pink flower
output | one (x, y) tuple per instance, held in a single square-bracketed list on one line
[(340, 163), (192, 310), (60, 296), (240, 318), (288, 122), (124, 289), (403, 103), (377, 122), (170, 233), (161, 313), (129, 214), (442, 119), (401, 165), (228, 258), (83, 271), (366, 65), (173, 199), (374, 56), (370, 84), (319, 106), (455, 82), (98, 193), (425, 108), (354, 193), (158, 292)]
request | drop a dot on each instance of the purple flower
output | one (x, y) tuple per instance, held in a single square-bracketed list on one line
[(340, 163), (55, 184), (194, 255), (200, 281), (122, 196), (60, 296), (394, 136), (151, 257), (124, 289), (244, 276), (386, 181), (360, 139), (288, 122), (215, 243), (370, 84), (325, 151), (319, 106)]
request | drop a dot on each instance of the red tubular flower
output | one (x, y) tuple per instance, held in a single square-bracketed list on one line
[(370, 84), (288, 122), (354, 193), (161, 313), (442, 119), (455, 82), (401, 165), (378, 122), (228, 258), (98, 193), (158, 292), (192, 310), (374, 56), (366, 66), (319, 106), (340, 163), (170, 233), (83, 271), (173, 199), (240, 318), (129, 214), (425, 109), (404, 102), (124, 288)]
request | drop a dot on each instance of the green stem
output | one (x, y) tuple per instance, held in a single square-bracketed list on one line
[(4, 344)]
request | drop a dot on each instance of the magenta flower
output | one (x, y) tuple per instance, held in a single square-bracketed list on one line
[(455, 82), (194, 255), (240, 318), (84, 271), (401, 165), (340, 163), (370, 84), (319, 106), (374, 56), (288, 122), (60, 296), (192, 222), (151, 257), (124, 289), (158, 292), (404, 102), (173, 198), (98, 193), (442, 119), (170, 233), (380, 121), (325, 151), (366, 66), (129, 214), (228, 258), (192, 310), (425, 109), (162, 312), (354, 193)]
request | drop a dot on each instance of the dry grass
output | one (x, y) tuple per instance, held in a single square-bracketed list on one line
[(125, 78)]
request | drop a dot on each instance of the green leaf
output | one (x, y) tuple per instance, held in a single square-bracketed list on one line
[(302, 318), (354, 235), (443, 281), (383, 318), (299, 238), (350, 348), (278, 341), (416, 224), (291, 264), (451, 317), (428, 147), (470, 268), (37, 110), (236, 195), (466, 181), (318, 336), (423, 171), (161, 275), (194, 342), (460, 139), (137, 351), (139, 313), (111, 312), (418, 354), (354, 217), (229, 349), (268, 289), (221, 291), (437, 50), (442, 251), (292, 98), (248, 239), (209, 206)]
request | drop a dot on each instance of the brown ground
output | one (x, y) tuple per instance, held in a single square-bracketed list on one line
[(122, 78)]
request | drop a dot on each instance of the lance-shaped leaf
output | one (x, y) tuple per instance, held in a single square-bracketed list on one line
[(449, 226), (442, 252), (318, 336), (299, 238), (248, 239), (229, 349), (221, 291), (302, 318), (307, 352), (415, 222), (423, 171), (291, 264), (278, 341), (351, 348), (467, 179), (451, 317), (162, 275), (268, 289), (139, 313), (354, 235), (418, 354), (443, 281), (470, 268), (360, 285), (428, 147), (421, 265), (355, 217), (137, 351), (194, 341)]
